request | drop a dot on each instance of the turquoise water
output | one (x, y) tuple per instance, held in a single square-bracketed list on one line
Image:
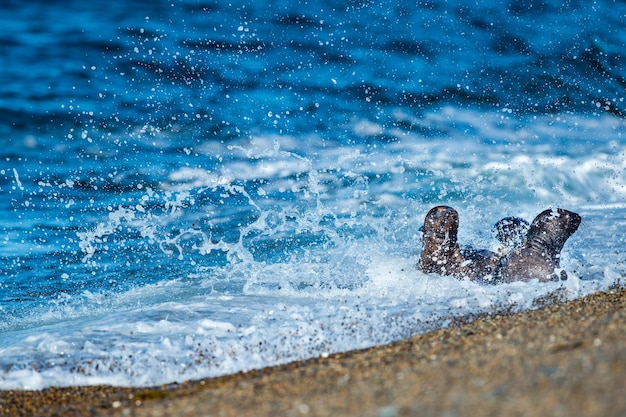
[(191, 189)]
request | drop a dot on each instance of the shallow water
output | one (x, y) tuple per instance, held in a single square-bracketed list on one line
[(192, 189)]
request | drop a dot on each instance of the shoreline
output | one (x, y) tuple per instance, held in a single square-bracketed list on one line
[(561, 359)]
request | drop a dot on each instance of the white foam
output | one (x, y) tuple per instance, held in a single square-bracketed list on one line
[(317, 249), (186, 336)]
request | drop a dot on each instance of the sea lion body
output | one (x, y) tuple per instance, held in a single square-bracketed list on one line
[(528, 252), (541, 253)]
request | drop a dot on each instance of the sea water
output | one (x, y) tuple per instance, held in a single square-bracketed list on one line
[(197, 188)]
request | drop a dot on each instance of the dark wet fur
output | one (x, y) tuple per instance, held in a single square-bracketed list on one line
[(540, 255), (481, 262)]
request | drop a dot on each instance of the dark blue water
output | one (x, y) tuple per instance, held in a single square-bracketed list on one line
[(185, 177)]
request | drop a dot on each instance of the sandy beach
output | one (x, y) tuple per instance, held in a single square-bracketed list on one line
[(560, 360)]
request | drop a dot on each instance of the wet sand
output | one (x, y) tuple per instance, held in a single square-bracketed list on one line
[(560, 360)]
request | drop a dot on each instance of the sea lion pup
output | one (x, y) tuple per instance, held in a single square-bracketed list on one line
[(528, 252), (539, 256), (441, 253)]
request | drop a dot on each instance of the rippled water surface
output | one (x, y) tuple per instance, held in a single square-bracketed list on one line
[(195, 188)]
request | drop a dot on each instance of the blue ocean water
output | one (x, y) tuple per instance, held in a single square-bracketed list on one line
[(196, 188)]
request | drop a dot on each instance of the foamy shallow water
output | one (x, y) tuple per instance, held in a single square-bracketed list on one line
[(190, 336), (195, 189), (316, 256)]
